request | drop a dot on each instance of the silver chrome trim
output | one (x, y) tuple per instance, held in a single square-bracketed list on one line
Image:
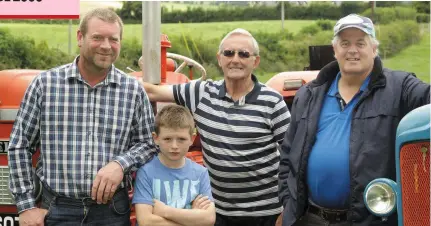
[(6, 197), (8, 114)]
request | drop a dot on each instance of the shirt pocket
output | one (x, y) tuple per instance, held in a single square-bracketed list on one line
[(377, 126), (112, 126)]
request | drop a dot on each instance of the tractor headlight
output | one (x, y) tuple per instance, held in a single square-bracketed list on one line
[(380, 197), (292, 84)]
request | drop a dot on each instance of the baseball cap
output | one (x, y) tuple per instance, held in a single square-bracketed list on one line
[(356, 21)]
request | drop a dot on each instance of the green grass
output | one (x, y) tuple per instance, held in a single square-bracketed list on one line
[(56, 35), (87, 5), (415, 58)]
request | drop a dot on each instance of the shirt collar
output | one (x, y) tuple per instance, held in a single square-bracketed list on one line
[(73, 72), (250, 97), (333, 90)]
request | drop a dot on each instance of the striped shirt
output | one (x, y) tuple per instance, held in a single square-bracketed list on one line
[(79, 129), (239, 141)]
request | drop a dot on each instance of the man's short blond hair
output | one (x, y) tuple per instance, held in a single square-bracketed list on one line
[(174, 116), (104, 14)]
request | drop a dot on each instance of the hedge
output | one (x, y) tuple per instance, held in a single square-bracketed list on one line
[(390, 14), (281, 51), (422, 18), (22, 52), (132, 12)]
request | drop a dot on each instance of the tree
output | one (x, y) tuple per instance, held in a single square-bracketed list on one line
[(422, 7)]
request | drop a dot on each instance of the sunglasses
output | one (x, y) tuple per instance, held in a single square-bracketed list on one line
[(241, 53)]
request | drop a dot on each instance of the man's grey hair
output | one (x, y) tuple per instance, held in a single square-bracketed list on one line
[(240, 31), (374, 41)]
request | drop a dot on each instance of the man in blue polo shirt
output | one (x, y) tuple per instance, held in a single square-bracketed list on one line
[(342, 132), (328, 165)]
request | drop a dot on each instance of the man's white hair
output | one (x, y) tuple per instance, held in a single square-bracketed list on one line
[(374, 42), (241, 32)]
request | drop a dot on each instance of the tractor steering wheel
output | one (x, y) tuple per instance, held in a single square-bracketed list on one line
[(186, 61)]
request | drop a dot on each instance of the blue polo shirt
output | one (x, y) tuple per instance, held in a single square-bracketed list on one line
[(328, 173)]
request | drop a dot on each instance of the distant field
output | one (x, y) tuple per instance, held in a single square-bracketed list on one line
[(415, 58), (184, 6), (56, 35), (88, 5), (85, 6)]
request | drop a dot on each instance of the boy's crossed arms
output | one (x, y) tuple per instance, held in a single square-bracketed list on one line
[(202, 213), (173, 178)]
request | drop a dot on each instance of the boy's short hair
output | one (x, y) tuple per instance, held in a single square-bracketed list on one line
[(174, 117)]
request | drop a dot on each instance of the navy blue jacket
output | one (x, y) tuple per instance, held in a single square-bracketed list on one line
[(389, 96)]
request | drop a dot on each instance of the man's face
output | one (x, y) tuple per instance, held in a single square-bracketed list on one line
[(101, 45), (174, 144), (354, 52), (237, 66)]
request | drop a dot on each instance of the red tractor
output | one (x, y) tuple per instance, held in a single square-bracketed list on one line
[(14, 82)]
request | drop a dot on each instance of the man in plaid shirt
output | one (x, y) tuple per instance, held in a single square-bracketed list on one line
[(92, 123)]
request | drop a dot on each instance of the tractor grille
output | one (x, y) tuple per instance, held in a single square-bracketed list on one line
[(415, 183), (5, 196)]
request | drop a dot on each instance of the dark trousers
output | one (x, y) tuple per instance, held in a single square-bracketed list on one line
[(222, 220), (311, 219), (65, 211)]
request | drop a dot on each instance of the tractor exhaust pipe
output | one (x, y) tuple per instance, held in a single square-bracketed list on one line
[(151, 22)]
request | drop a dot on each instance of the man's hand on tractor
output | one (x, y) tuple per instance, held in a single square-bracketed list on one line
[(201, 202), (106, 182), (33, 217)]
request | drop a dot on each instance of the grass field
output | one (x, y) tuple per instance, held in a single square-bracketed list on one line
[(85, 6), (415, 58), (88, 5), (184, 6), (56, 35)]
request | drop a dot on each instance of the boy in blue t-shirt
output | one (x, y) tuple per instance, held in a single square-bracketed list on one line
[(171, 189)]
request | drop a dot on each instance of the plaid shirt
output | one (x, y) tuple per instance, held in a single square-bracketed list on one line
[(79, 129)]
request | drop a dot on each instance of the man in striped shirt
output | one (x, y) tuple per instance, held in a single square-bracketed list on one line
[(241, 122), (92, 123)]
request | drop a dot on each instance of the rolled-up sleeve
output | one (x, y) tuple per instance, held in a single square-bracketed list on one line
[(142, 147), (23, 140)]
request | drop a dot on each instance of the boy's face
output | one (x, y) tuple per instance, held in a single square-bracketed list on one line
[(174, 144)]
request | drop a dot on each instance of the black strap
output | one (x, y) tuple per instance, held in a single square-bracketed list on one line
[(328, 215), (340, 101)]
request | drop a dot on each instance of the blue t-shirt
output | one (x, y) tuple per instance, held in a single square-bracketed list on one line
[(174, 187), (328, 173)]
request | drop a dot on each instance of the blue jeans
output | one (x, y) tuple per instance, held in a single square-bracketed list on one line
[(64, 211)]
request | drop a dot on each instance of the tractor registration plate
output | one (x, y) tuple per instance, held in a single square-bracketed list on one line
[(9, 219), (3, 146)]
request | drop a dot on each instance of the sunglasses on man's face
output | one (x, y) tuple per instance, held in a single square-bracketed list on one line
[(241, 53)]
